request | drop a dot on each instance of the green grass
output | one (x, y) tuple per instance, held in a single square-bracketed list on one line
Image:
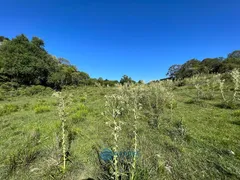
[(202, 141)]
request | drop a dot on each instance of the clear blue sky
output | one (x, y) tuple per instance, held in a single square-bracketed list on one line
[(141, 38)]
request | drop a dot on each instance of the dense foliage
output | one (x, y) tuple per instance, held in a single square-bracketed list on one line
[(206, 66), (26, 62), (126, 79)]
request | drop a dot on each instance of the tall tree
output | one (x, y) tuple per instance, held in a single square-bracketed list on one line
[(210, 65), (126, 79), (25, 61), (173, 70), (189, 68), (234, 54), (38, 42)]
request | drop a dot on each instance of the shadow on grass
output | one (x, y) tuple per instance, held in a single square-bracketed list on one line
[(200, 103), (190, 101), (227, 105), (223, 170), (235, 122)]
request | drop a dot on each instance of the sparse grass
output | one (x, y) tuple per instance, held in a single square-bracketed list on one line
[(198, 140)]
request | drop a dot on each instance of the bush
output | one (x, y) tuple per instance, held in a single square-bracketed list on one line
[(32, 90), (79, 113), (8, 108), (36, 89), (180, 83), (8, 86), (155, 98), (26, 106), (8, 89), (236, 113), (83, 99), (41, 108), (171, 104), (227, 77), (48, 90), (80, 99)]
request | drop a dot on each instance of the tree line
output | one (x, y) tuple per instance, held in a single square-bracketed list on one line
[(206, 66), (26, 62)]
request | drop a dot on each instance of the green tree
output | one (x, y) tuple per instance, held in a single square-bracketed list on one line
[(210, 65), (126, 79), (2, 38), (63, 61), (80, 78), (173, 70), (189, 68), (24, 61), (234, 54), (38, 42)]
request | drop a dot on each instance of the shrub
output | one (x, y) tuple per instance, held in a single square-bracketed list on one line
[(32, 90), (178, 131), (180, 83), (54, 103), (42, 101), (8, 108), (79, 113), (236, 79), (36, 89), (11, 108), (155, 99), (83, 99), (8, 89), (26, 106), (227, 77), (236, 113), (8, 86), (172, 104), (48, 90), (41, 108)]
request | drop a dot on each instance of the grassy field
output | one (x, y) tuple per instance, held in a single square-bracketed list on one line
[(189, 139)]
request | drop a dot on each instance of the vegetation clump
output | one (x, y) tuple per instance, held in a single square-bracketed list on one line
[(8, 108)]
